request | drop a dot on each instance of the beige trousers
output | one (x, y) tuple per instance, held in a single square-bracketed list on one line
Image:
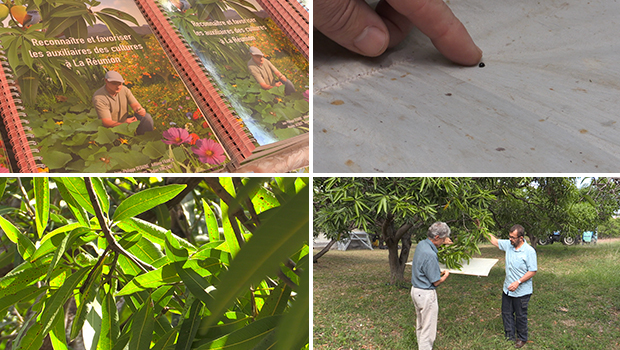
[(426, 310)]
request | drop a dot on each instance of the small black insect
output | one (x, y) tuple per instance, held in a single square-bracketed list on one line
[(481, 65)]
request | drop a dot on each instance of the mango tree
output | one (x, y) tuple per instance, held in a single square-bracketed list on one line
[(179, 263)]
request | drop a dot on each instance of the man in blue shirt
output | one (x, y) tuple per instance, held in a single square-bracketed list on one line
[(425, 277), (521, 266)]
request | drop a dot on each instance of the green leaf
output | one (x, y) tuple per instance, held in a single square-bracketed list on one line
[(90, 292), (189, 327), (292, 332), (174, 251), (56, 301), (57, 334), (229, 233), (76, 188), (195, 283), (25, 247), (152, 279), (145, 200), (42, 203), (142, 327), (277, 301), (152, 232), (52, 240), (109, 323), (78, 211), (167, 340), (2, 186), (244, 338), (66, 242), (19, 295), (22, 276), (102, 195), (274, 241), (55, 159), (211, 222)]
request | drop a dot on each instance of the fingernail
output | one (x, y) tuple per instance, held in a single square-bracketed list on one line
[(371, 42)]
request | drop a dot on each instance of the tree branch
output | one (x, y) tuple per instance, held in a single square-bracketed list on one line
[(114, 246)]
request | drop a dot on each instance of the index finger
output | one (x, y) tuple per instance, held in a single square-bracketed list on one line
[(435, 19)]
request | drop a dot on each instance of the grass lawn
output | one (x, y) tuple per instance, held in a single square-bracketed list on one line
[(575, 305)]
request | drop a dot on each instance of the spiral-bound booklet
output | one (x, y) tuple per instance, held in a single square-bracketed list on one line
[(112, 86)]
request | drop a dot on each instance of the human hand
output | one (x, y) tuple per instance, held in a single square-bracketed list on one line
[(277, 84), (130, 120), (513, 286), (356, 26), (445, 273)]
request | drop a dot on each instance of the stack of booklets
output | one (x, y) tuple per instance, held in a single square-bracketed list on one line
[(155, 86)]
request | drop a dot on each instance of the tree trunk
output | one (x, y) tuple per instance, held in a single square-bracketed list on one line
[(323, 251), (397, 261)]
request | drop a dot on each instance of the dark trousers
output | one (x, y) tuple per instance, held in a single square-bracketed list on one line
[(146, 124), (514, 315)]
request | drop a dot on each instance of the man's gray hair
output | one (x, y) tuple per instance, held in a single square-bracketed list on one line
[(438, 230)]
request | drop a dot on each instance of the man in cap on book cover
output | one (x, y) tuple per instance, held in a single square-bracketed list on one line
[(266, 74), (114, 102)]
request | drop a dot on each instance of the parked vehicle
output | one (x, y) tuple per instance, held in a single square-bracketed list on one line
[(557, 237)]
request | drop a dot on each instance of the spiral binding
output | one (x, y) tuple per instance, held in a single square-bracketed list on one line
[(20, 148), (293, 19), (217, 111)]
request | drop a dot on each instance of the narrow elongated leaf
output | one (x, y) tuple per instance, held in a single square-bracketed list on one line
[(167, 340), (30, 336), (189, 327), (153, 233), (229, 233), (90, 292), (62, 248), (2, 186), (57, 334), (231, 322), (20, 295), (76, 188), (142, 327), (244, 338), (152, 279), (174, 251), (277, 301), (79, 212), (109, 323), (42, 203), (102, 195), (275, 240), (195, 283), (57, 299), (145, 200), (25, 247), (146, 251), (292, 332), (22, 276), (211, 221)]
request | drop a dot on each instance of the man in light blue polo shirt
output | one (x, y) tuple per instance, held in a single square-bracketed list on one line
[(521, 266), (425, 277)]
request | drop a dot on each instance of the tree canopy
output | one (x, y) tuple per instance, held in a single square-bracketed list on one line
[(402, 208), (147, 263)]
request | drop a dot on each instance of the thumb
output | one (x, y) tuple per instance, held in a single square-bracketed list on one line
[(352, 24)]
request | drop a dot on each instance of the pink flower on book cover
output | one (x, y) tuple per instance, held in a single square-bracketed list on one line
[(176, 136), (4, 170), (209, 151), (307, 95)]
